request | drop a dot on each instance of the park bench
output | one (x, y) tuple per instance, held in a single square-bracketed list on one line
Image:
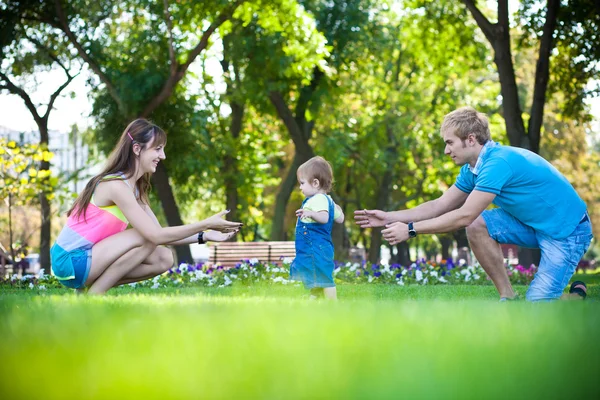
[(228, 254)]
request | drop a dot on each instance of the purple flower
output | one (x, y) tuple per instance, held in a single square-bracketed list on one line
[(377, 274), (375, 267), (398, 276), (358, 273)]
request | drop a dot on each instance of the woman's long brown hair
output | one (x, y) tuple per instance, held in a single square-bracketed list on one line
[(122, 159)]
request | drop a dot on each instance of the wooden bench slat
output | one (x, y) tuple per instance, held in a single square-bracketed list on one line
[(228, 254)]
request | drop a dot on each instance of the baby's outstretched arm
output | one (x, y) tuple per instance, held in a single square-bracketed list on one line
[(339, 219)]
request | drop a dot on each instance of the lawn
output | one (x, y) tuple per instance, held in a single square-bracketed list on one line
[(269, 341)]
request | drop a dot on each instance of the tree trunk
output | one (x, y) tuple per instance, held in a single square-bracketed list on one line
[(300, 132), (529, 256), (462, 242), (283, 196), (515, 128), (167, 199), (10, 231), (542, 74), (383, 193), (46, 223), (403, 254), (446, 243), (231, 163)]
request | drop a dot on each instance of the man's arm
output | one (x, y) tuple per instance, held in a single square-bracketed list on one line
[(475, 204), (452, 199)]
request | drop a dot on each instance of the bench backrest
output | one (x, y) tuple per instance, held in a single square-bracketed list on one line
[(229, 254)]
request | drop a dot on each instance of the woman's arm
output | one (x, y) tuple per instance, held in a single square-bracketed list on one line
[(148, 226)]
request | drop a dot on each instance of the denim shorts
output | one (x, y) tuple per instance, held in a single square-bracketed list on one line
[(81, 261), (559, 256)]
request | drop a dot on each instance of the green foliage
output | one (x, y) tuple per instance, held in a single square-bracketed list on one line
[(21, 180), (575, 63)]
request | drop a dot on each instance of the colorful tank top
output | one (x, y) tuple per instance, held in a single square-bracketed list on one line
[(81, 233)]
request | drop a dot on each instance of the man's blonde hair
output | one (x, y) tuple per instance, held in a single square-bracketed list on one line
[(317, 168), (467, 120)]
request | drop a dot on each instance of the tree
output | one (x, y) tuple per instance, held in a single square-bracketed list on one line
[(571, 28), (20, 179), (29, 48), (384, 134), (91, 29)]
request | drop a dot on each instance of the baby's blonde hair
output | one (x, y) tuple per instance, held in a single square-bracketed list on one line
[(317, 168)]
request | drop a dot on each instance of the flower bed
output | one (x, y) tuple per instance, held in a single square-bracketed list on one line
[(250, 272)]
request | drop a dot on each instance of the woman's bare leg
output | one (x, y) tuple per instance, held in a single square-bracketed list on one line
[(114, 257), (160, 261)]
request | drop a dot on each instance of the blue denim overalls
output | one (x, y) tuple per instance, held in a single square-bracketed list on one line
[(313, 264)]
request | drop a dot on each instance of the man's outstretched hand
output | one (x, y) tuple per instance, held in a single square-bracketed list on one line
[(371, 218), (396, 232)]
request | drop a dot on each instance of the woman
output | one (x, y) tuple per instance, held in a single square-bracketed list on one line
[(95, 251)]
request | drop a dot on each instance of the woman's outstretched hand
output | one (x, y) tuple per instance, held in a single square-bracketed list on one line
[(214, 236), (218, 223)]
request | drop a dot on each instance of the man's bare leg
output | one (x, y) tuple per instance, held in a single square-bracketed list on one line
[(489, 254)]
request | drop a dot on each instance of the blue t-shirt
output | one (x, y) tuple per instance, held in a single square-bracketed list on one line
[(526, 186)]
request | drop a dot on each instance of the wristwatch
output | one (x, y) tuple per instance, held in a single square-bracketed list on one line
[(411, 230), (201, 238)]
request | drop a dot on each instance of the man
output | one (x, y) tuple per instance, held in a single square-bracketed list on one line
[(537, 208)]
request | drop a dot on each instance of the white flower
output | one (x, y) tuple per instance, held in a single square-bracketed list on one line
[(287, 260), (31, 286), (425, 281), (419, 275), (14, 277), (476, 277), (253, 261), (404, 272), (434, 274), (462, 262), (41, 274), (42, 287), (441, 279), (370, 278), (155, 286), (133, 284), (281, 279), (400, 282)]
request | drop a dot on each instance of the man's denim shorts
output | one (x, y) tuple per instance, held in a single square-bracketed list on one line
[(559, 256)]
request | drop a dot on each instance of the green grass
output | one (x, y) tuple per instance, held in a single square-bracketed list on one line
[(378, 341)]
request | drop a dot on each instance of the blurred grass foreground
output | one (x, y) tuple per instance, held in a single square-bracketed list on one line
[(271, 342)]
